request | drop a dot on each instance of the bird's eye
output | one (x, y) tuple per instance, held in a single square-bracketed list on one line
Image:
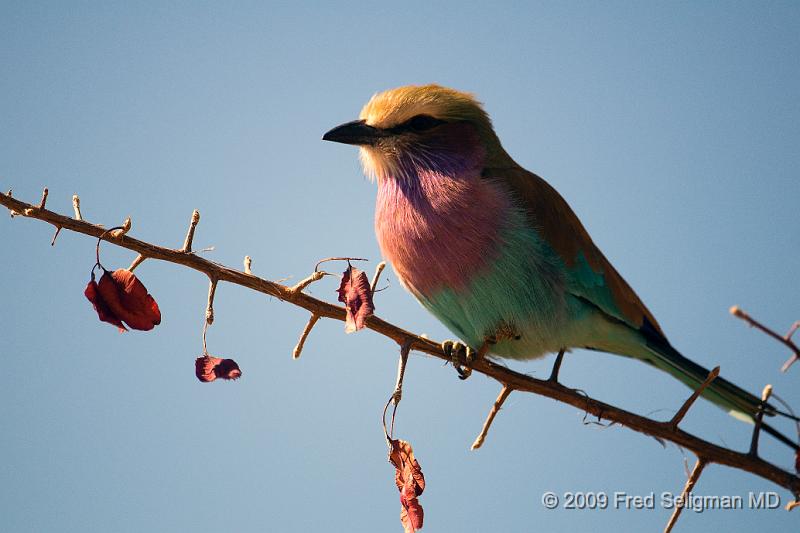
[(423, 122)]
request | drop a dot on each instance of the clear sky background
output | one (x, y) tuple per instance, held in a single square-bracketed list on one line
[(673, 129)]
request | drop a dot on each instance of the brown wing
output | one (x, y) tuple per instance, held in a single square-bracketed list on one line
[(550, 214)]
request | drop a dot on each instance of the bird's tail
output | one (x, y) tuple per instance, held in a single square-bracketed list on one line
[(737, 401)]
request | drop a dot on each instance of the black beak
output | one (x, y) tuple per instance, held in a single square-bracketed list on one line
[(355, 132)]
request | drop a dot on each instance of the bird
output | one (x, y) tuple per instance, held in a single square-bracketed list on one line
[(493, 251)]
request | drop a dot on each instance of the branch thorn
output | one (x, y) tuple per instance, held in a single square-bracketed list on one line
[(765, 394), (378, 269), (687, 489), (43, 202), (76, 206), (136, 262), (300, 286), (303, 336), (786, 340), (712, 375), (187, 243), (55, 236), (498, 404), (125, 228)]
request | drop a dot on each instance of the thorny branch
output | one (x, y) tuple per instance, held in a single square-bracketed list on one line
[(76, 206), (187, 243), (136, 262), (783, 339), (759, 422), (510, 379), (695, 395), (312, 321), (690, 483), (498, 403), (373, 286)]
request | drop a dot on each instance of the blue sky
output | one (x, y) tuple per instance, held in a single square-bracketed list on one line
[(671, 128)]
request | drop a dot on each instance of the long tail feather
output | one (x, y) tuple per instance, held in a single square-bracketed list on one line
[(737, 401)]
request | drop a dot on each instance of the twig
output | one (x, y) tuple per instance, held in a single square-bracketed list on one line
[(759, 421), (55, 236), (378, 269), (397, 394), (498, 403), (11, 212), (786, 340), (405, 349), (520, 382), (247, 264), (76, 206), (212, 289), (792, 330), (795, 356), (43, 202), (696, 394), (187, 243), (300, 286), (303, 336), (687, 490), (136, 262), (348, 259), (122, 230)]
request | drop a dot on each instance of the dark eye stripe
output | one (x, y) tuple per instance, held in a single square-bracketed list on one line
[(417, 123)]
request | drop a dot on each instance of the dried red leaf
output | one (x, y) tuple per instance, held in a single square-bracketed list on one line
[(120, 296), (411, 515), (103, 312), (410, 482), (356, 295), (208, 368), (129, 300)]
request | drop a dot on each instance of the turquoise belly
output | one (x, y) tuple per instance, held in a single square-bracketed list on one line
[(518, 297)]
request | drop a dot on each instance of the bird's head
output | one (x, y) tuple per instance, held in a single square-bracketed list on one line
[(420, 127)]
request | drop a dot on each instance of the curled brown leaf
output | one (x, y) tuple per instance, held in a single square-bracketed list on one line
[(410, 482), (120, 297), (356, 295)]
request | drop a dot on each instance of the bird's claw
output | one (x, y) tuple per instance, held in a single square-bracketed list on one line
[(461, 355)]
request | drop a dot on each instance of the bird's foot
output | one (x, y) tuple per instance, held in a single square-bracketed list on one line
[(461, 355)]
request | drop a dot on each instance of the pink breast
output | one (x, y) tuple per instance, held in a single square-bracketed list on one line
[(440, 231)]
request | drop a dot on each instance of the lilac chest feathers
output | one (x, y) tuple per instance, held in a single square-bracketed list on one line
[(463, 249), (438, 230), (462, 246)]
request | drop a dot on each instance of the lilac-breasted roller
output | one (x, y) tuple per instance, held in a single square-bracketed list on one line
[(491, 249)]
